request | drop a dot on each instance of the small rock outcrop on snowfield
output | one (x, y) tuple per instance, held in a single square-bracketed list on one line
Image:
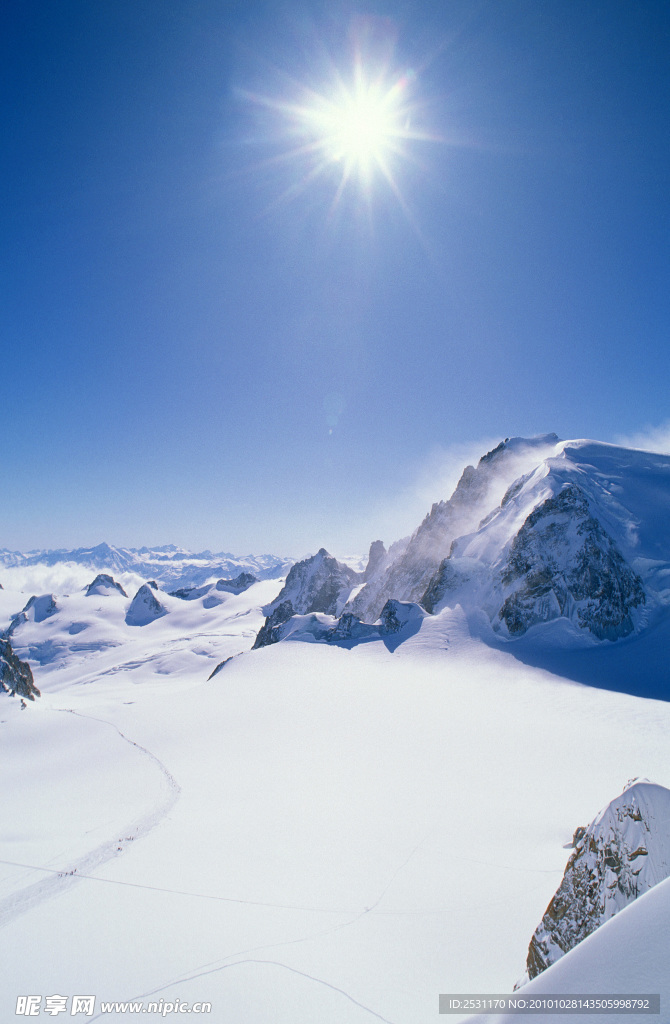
[(144, 607), (104, 586), (563, 563), (16, 677), (317, 584), (239, 584), (623, 853), (36, 609)]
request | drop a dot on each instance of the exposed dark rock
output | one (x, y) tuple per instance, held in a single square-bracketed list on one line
[(218, 668), (624, 852), (563, 563), (317, 584), (446, 579), (396, 615), (16, 677), (347, 626), (187, 593), (270, 632), (239, 584)]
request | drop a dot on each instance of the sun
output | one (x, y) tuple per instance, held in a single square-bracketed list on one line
[(360, 128), (355, 131)]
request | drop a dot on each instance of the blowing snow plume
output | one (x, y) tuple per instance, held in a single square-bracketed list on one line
[(479, 490)]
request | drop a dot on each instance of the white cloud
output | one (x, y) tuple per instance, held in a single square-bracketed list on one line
[(649, 439)]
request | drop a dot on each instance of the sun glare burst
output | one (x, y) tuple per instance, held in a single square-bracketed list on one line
[(360, 128), (356, 132)]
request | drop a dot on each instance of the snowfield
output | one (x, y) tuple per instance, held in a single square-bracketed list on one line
[(314, 834), (339, 826)]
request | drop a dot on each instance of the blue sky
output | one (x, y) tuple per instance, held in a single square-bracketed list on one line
[(191, 355)]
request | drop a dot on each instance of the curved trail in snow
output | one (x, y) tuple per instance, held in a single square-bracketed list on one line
[(25, 899), (233, 959)]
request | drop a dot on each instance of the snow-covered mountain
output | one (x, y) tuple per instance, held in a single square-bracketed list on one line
[(582, 535), (69, 629), (172, 566), (624, 852), (410, 564), (317, 584)]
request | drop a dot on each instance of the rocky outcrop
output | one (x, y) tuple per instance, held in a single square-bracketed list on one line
[(396, 615), (271, 631), (104, 586), (144, 607), (190, 593), (623, 853), (448, 578), (563, 563), (239, 584), (317, 584), (16, 677), (376, 559)]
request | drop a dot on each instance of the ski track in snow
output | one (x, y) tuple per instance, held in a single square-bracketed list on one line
[(18, 903), (293, 970), (219, 965)]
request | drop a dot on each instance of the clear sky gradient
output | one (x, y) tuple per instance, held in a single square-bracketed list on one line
[(201, 346)]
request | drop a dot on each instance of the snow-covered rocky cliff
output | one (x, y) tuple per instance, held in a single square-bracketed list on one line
[(16, 677), (144, 607), (316, 584), (406, 574), (623, 853), (540, 530)]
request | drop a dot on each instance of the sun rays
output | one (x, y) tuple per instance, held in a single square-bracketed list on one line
[(356, 132)]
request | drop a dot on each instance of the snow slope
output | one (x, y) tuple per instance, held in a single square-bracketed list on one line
[(315, 834), (628, 954)]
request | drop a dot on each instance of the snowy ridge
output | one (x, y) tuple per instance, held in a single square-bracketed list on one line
[(581, 535), (627, 954), (86, 627), (405, 573)]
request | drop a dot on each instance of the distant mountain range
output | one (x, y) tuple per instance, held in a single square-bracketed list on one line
[(169, 565)]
